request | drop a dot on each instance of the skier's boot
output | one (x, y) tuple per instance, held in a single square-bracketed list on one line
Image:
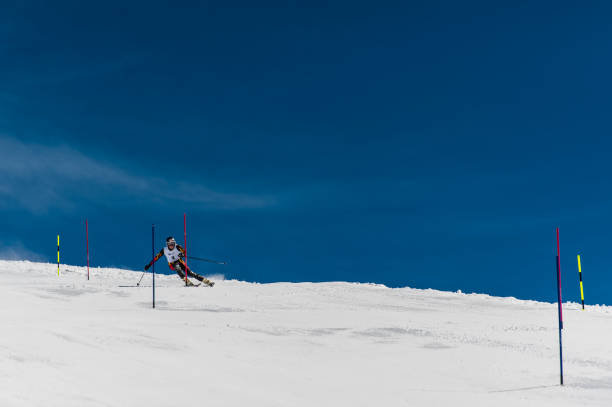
[(189, 283), (208, 282)]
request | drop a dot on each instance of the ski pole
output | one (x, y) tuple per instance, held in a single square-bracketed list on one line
[(143, 273), (138, 283), (207, 260)]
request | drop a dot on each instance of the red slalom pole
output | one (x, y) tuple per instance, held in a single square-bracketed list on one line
[(560, 307), (185, 230), (87, 238), (153, 257)]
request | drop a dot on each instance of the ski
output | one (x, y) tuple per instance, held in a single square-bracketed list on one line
[(191, 283)]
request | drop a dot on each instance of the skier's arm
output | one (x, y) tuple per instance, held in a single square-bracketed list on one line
[(157, 256), (180, 249)]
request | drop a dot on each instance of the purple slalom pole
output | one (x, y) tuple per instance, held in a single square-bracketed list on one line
[(560, 306), (153, 257)]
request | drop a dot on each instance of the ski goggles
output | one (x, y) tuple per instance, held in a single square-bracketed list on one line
[(171, 242)]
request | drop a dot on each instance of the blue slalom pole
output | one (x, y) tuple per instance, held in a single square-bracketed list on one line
[(153, 256), (560, 307)]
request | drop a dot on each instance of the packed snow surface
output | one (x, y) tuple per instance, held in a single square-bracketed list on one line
[(67, 341)]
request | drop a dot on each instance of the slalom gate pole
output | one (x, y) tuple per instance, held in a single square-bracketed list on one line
[(581, 289), (208, 260), (153, 254), (87, 238), (185, 230), (58, 272), (560, 308)]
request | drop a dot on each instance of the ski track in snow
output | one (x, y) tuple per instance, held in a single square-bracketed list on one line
[(67, 341)]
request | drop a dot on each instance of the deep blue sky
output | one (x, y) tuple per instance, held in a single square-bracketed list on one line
[(428, 144)]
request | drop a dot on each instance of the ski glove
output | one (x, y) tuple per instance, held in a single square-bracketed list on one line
[(147, 267)]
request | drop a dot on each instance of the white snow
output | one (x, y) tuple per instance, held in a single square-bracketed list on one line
[(66, 341)]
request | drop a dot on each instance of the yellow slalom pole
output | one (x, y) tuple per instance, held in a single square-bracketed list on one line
[(58, 273), (581, 289)]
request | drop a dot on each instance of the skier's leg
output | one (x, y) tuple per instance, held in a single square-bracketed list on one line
[(176, 266), (179, 270), (196, 276), (191, 273)]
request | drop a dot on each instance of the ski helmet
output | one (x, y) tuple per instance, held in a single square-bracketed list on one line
[(170, 240)]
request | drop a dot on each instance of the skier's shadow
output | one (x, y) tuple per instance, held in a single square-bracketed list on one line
[(221, 309), (524, 388)]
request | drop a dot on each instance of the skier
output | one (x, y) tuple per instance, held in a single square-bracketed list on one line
[(175, 253)]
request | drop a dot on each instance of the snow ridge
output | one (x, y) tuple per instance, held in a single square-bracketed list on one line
[(71, 342)]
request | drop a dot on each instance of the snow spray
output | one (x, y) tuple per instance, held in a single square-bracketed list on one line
[(560, 308), (581, 289)]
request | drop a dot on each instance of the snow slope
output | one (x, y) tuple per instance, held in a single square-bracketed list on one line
[(71, 342)]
